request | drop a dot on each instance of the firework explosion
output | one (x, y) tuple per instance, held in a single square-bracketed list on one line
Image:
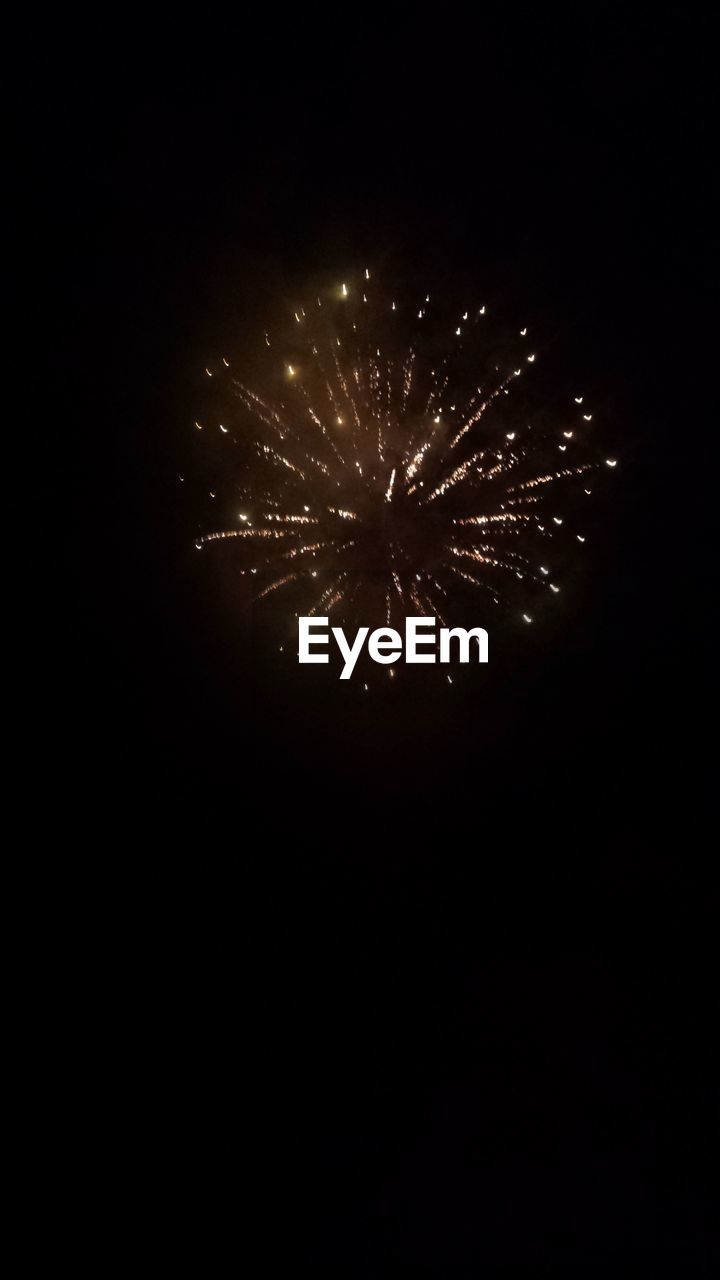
[(392, 460)]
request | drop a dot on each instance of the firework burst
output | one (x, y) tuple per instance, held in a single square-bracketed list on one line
[(390, 458)]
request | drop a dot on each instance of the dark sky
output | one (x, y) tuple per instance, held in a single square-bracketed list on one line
[(454, 944)]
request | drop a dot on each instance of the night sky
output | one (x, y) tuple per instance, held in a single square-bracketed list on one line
[(410, 979)]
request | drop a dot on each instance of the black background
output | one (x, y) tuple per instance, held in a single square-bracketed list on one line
[(411, 979)]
